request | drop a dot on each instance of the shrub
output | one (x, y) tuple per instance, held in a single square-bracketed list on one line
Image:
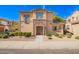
[(28, 34), (49, 33), (11, 34), (20, 33), (16, 33), (0, 35), (24, 33), (69, 35), (5, 36), (56, 34), (60, 35), (77, 37), (49, 38)]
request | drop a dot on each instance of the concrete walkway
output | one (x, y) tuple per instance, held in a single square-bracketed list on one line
[(39, 43), (39, 39)]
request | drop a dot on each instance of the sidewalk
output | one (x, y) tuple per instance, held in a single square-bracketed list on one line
[(42, 45), (39, 43)]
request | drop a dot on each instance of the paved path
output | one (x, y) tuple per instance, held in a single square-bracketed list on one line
[(39, 39)]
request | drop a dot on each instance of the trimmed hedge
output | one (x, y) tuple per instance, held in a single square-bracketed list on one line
[(11, 34), (26, 34), (4, 36)]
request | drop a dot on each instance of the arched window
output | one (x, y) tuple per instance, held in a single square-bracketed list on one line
[(73, 17), (39, 15), (27, 18)]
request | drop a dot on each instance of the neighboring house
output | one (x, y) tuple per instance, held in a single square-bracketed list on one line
[(72, 23), (4, 25), (38, 22)]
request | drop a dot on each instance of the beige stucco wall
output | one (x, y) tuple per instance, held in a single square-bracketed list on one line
[(26, 27), (75, 28)]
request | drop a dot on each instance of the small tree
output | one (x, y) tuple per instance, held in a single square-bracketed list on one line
[(58, 19)]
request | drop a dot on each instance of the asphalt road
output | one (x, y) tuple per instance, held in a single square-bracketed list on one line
[(39, 51)]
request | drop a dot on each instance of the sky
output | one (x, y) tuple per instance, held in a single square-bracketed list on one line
[(12, 12)]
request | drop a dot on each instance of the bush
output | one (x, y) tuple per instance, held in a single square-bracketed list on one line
[(11, 34), (0, 35), (60, 35), (28, 34), (24, 33), (77, 37), (69, 35), (49, 33), (16, 34), (5, 36), (56, 34), (49, 38), (20, 33)]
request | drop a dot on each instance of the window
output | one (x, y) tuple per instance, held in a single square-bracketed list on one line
[(54, 28), (27, 17), (69, 20), (39, 15), (72, 17)]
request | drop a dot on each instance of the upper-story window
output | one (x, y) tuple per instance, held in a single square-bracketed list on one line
[(39, 15), (27, 17), (73, 17), (69, 20)]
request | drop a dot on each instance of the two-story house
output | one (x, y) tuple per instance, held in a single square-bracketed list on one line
[(72, 23), (38, 22)]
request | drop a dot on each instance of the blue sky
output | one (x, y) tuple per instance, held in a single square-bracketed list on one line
[(11, 12)]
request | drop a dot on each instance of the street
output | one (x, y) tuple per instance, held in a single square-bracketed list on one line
[(39, 51)]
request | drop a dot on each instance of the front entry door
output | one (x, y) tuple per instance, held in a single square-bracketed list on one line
[(39, 30)]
